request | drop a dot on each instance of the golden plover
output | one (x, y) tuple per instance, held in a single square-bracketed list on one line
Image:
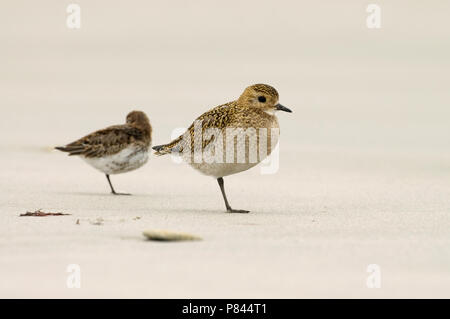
[(115, 149), (247, 125)]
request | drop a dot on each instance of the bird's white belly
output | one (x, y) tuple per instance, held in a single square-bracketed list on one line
[(222, 169), (209, 165), (128, 159)]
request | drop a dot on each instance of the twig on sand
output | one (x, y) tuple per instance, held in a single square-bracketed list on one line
[(39, 213)]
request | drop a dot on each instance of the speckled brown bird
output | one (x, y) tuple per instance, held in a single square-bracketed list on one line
[(207, 152), (115, 149)]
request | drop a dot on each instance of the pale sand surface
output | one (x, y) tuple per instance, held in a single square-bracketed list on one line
[(364, 174)]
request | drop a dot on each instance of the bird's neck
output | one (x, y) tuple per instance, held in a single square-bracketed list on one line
[(145, 127)]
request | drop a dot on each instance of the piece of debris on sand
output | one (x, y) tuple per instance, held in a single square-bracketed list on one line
[(98, 222), (39, 213), (164, 235)]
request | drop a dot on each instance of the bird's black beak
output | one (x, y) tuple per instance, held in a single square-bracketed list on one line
[(280, 107)]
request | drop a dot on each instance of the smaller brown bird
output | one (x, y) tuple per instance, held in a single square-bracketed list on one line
[(115, 149)]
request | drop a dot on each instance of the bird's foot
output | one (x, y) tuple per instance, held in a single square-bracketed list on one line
[(237, 211), (124, 194)]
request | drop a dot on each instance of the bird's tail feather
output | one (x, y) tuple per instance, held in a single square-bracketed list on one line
[(167, 148), (72, 150)]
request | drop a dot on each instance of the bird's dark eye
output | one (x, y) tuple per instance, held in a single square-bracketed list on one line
[(262, 99)]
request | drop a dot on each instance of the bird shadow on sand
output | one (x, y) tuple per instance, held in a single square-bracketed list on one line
[(196, 210), (159, 209), (110, 195)]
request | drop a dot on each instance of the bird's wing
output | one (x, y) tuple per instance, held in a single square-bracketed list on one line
[(217, 117), (110, 140)]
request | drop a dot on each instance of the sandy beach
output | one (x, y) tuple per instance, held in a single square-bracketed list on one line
[(364, 165)]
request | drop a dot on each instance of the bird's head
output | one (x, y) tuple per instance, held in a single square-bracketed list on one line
[(263, 97), (139, 119)]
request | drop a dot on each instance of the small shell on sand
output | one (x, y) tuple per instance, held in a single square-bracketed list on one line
[(164, 235)]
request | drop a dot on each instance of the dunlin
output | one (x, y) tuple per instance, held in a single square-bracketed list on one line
[(254, 113), (115, 149)]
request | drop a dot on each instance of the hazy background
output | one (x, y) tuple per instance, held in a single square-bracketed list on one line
[(364, 159)]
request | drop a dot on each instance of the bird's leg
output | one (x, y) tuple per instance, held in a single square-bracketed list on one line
[(112, 188), (227, 205)]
